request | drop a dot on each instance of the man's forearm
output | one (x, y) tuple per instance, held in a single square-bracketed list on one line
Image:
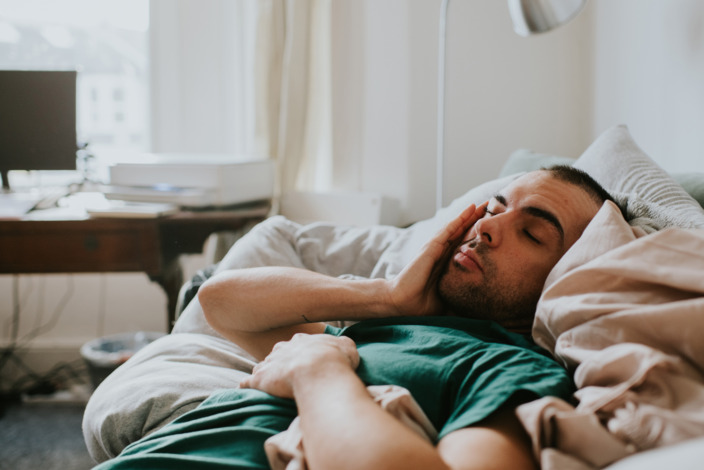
[(260, 299), (343, 428)]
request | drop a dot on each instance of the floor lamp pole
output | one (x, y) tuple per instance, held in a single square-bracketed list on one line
[(440, 155)]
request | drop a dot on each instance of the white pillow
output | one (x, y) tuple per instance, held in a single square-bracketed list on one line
[(652, 199)]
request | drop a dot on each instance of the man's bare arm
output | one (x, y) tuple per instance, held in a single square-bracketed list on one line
[(260, 299), (259, 307), (499, 442), (242, 303)]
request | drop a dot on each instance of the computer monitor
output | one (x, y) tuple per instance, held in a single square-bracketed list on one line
[(37, 121)]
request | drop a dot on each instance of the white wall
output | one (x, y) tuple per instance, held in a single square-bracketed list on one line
[(506, 92), (638, 62), (503, 92), (649, 74)]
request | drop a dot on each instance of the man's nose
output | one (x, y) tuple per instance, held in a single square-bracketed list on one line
[(488, 229)]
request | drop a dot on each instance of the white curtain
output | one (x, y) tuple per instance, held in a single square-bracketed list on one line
[(291, 88), (245, 76)]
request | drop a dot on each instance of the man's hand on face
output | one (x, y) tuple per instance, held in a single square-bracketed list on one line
[(414, 290), (291, 362)]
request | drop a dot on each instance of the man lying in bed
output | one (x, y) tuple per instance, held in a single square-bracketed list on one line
[(449, 329)]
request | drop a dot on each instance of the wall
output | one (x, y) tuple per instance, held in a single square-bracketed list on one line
[(639, 62), (508, 92), (649, 74), (503, 92)]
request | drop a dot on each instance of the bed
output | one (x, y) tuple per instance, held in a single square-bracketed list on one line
[(622, 311)]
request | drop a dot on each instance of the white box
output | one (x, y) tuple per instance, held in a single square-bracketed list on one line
[(226, 179)]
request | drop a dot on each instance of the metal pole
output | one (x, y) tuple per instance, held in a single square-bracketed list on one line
[(440, 156)]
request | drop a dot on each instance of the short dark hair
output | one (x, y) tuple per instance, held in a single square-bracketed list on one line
[(572, 175)]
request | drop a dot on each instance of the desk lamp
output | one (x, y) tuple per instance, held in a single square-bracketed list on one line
[(529, 17)]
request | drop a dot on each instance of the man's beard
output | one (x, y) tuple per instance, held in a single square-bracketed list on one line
[(489, 299)]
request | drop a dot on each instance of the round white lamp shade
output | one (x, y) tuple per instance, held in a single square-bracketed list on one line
[(538, 16)]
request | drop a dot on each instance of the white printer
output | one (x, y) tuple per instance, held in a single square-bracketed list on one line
[(192, 180)]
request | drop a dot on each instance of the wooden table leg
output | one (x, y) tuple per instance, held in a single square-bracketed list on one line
[(170, 280)]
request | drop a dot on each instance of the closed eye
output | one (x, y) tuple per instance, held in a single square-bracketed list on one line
[(531, 237)]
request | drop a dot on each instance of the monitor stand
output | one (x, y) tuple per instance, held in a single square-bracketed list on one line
[(4, 174)]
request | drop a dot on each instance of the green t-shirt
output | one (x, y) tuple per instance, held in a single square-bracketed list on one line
[(458, 370)]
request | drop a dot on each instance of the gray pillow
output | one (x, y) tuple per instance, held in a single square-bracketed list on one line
[(693, 183), (651, 198)]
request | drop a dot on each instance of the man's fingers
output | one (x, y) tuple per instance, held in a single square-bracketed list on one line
[(304, 352), (349, 348), (457, 227), (466, 219), (250, 380)]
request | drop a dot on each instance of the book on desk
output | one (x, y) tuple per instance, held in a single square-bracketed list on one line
[(135, 210)]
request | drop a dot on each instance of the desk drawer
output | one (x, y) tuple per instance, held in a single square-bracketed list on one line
[(54, 249)]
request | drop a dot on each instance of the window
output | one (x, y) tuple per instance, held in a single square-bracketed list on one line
[(107, 42)]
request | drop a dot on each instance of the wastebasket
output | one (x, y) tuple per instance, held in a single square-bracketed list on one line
[(104, 355)]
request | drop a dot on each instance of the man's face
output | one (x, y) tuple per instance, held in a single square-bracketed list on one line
[(499, 269)]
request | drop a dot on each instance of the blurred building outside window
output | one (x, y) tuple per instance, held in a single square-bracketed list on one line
[(107, 42)]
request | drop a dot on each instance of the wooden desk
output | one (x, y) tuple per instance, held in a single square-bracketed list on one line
[(88, 245)]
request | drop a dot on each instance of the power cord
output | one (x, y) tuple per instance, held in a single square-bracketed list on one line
[(32, 382)]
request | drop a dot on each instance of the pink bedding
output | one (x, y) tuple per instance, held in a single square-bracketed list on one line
[(625, 312)]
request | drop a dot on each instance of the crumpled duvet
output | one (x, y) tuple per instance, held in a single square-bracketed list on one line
[(625, 312)]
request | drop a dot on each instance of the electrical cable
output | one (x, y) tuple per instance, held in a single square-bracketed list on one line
[(9, 351), (48, 380), (73, 371), (41, 302), (54, 318)]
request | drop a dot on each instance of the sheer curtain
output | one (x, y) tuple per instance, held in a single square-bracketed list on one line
[(245, 76), (292, 91)]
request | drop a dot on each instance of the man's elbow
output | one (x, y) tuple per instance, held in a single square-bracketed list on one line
[(208, 295)]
